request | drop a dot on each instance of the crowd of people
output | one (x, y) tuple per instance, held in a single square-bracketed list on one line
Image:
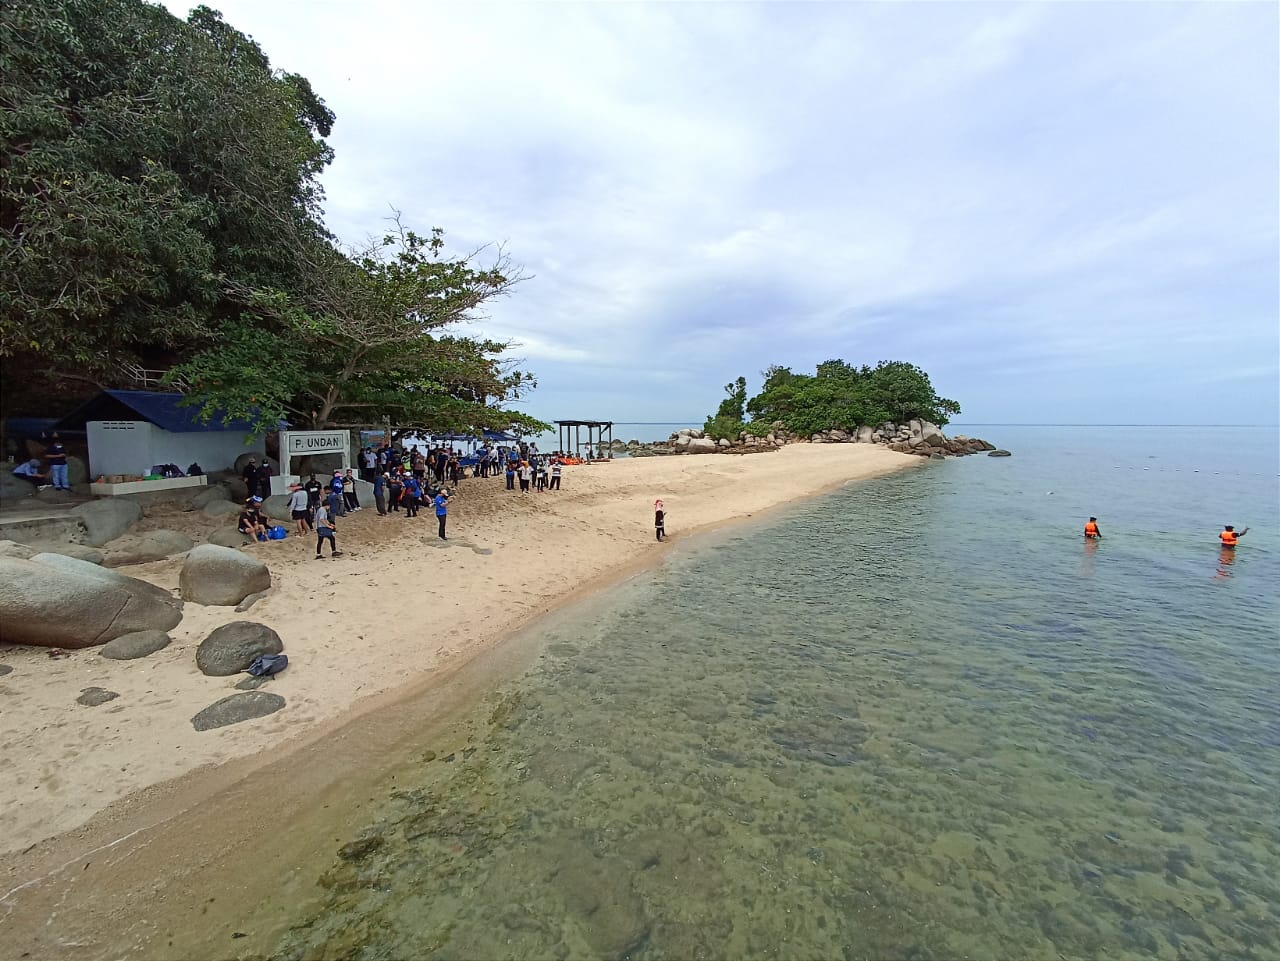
[(404, 482)]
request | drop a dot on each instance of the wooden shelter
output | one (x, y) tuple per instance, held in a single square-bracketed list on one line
[(599, 438)]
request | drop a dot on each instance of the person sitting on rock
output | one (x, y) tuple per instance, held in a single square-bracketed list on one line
[(251, 521), (29, 471)]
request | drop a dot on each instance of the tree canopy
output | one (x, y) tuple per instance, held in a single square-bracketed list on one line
[(836, 395), (160, 206)]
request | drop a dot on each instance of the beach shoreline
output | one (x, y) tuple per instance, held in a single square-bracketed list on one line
[(177, 807)]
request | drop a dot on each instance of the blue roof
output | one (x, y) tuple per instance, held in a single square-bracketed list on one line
[(158, 408)]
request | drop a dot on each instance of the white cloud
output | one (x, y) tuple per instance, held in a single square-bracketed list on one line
[(711, 188)]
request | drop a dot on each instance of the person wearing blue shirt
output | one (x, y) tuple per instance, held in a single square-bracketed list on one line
[(412, 496), (442, 511), (380, 493)]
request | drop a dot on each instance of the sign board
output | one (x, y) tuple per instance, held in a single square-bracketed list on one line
[(301, 442)]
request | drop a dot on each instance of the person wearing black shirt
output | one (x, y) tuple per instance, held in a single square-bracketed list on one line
[(313, 488), (56, 455)]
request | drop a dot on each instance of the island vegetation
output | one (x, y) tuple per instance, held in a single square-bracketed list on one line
[(160, 210), (836, 396)]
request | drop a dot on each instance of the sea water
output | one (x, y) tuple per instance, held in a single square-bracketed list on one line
[(917, 718)]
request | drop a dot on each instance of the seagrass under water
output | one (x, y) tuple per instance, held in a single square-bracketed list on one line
[(919, 718)]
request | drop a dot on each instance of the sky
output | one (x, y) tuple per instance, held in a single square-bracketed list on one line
[(1064, 212)]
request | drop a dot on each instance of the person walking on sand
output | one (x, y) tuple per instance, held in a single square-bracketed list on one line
[(326, 530), (442, 511), (1230, 536), (659, 519), (1091, 531)]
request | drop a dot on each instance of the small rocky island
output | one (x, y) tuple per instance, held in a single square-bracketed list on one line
[(919, 437)]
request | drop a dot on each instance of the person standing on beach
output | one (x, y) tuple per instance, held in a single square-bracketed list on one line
[(313, 488), (555, 474), (1230, 536), (1091, 531), (525, 474), (380, 494), (442, 511), (659, 519), (511, 475), (326, 530), (412, 495), (56, 455), (298, 508)]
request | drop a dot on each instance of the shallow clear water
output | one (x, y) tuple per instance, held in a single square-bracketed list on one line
[(918, 718)]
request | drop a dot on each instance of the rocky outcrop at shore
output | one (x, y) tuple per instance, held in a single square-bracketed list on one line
[(52, 600), (917, 437)]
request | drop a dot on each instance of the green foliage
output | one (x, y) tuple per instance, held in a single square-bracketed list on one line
[(148, 166), (720, 426), (838, 395), (372, 340), (160, 205)]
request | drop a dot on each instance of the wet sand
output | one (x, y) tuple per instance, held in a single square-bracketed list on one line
[(123, 823)]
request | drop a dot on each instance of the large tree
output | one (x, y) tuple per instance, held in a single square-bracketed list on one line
[(376, 338), (147, 166)]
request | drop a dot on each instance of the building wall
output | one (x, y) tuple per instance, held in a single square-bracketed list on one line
[(132, 447), (118, 446), (212, 449)]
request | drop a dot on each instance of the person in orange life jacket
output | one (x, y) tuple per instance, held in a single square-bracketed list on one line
[(1091, 528), (1230, 536)]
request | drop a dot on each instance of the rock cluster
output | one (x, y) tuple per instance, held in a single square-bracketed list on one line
[(914, 437), (57, 601)]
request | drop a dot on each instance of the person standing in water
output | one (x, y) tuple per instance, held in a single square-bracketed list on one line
[(659, 520), (1230, 536), (1091, 531)]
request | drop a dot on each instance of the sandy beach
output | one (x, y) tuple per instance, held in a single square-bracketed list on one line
[(401, 611)]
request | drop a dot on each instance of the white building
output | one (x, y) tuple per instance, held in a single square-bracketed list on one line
[(132, 431)]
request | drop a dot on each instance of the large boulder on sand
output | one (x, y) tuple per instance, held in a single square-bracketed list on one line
[(701, 445), (77, 470), (229, 537), (129, 647), (237, 708), (221, 576), (217, 492), (11, 488), (277, 507), (56, 601), (107, 519), (217, 508), (20, 551), (233, 647), (145, 547)]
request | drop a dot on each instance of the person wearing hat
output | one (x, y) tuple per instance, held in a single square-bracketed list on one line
[(299, 509), (250, 476), (29, 471), (251, 521)]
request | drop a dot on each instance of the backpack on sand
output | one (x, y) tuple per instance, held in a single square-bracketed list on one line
[(267, 664)]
